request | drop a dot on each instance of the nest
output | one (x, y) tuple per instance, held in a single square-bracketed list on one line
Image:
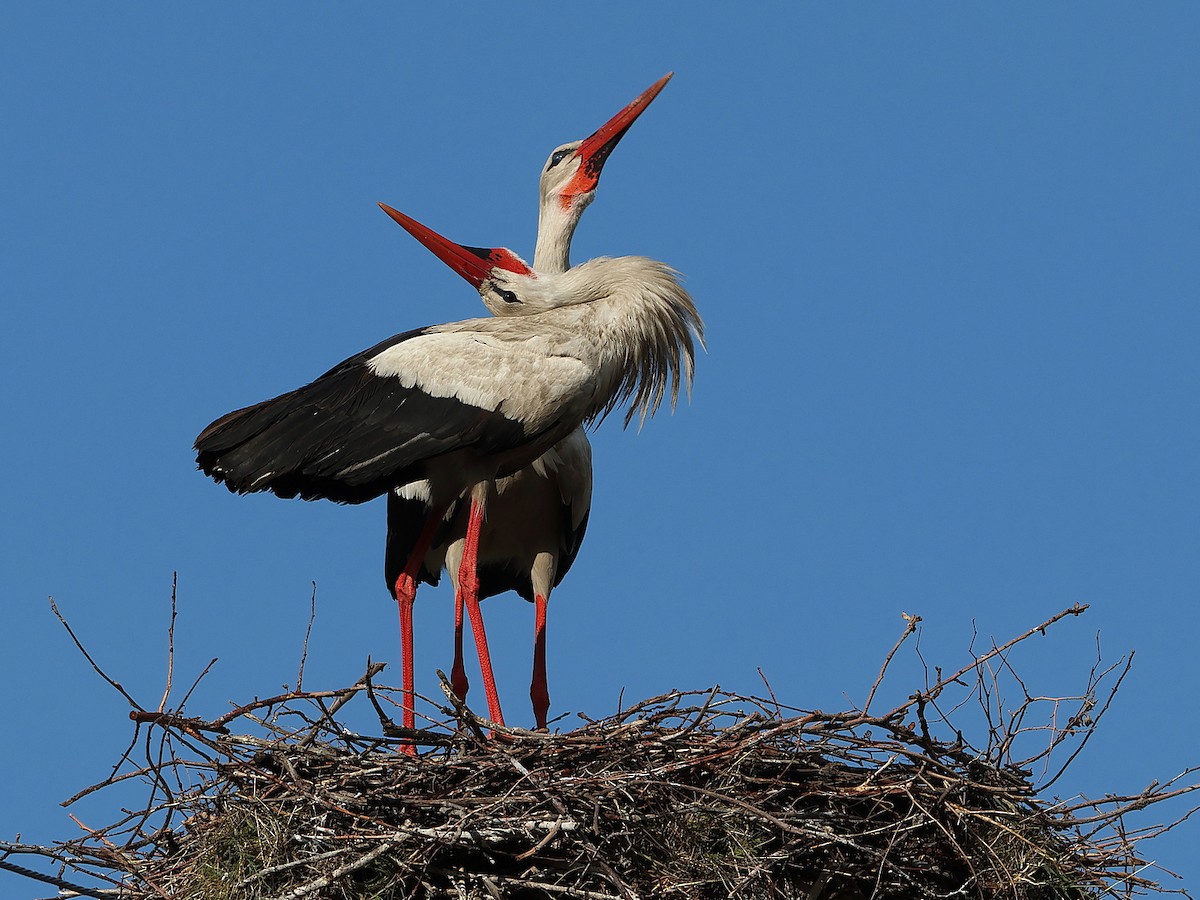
[(687, 795)]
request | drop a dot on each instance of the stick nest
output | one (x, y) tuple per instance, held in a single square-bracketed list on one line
[(687, 795)]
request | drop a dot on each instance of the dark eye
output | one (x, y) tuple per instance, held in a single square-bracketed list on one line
[(557, 157), (507, 296)]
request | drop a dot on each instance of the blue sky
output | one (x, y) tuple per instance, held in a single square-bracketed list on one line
[(947, 257)]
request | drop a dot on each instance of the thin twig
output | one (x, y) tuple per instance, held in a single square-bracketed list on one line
[(911, 625), (312, 615), (57, 882), (88, 657), (162, 704)]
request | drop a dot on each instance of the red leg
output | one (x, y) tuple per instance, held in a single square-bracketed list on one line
[(405, 593), (468, 584), (458, 674), (538, 692)]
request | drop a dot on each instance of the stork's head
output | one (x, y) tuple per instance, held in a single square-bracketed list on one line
[(573, 170), (506, 283), (496, 272)]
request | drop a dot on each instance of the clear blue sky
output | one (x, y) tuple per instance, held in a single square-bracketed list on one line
[(947, 256)]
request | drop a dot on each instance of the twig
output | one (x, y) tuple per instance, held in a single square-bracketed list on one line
[(196, 683), (352, 866), (1090, 731), (911, 625), (162, 704), (88, 657), (312, 615), (1077, 610), (57, 882), (344, 697)]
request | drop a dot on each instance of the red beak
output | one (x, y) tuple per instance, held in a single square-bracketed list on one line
[(475, 264), (594, 150)]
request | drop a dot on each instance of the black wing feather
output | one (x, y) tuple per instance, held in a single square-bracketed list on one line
[(406, 518), (349, 436), (567, 559)]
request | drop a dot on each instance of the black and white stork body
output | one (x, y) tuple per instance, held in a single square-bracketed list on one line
[(443, 412), (537, 516)]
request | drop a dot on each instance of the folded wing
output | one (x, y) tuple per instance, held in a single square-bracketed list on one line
[(372, 422)]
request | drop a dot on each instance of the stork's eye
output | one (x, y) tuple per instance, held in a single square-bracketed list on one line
[(557, 157), (507, 296)]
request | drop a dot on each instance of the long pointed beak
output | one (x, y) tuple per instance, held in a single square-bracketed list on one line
[(475, 264), (595, 149)]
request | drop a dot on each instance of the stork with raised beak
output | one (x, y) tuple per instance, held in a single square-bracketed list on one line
[(537, 516)]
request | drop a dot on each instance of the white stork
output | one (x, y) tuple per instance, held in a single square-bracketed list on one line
[(537, 516), (441, 412)]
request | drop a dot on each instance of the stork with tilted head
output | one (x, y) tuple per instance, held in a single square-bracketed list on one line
[(537, 516), (443, 412)]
